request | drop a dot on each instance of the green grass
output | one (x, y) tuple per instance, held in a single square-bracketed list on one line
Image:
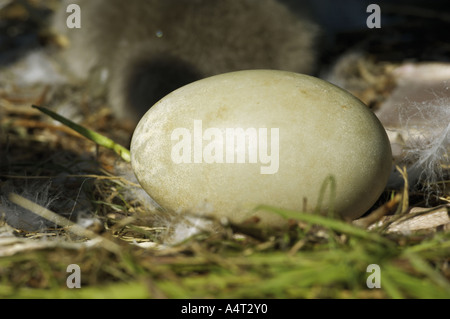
[(207, 267)]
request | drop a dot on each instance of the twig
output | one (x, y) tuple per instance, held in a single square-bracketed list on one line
[(63, 222), (365, 222), (99, 177)]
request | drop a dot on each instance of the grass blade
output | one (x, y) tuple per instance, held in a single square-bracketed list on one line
[(89, 134)]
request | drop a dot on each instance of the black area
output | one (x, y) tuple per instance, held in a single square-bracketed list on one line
[(21, 34), (151, 80), (414, 30), (277, 308)]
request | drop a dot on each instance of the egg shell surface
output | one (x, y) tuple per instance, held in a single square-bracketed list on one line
[(225, 144)]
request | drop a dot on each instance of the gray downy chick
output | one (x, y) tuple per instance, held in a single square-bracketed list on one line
[(152, 47)]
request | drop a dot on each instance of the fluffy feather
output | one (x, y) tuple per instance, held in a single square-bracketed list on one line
[(428, 143)]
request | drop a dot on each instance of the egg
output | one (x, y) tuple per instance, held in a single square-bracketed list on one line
[(223, 145)]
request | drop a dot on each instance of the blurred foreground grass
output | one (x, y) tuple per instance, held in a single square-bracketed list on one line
[(306, 262)]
